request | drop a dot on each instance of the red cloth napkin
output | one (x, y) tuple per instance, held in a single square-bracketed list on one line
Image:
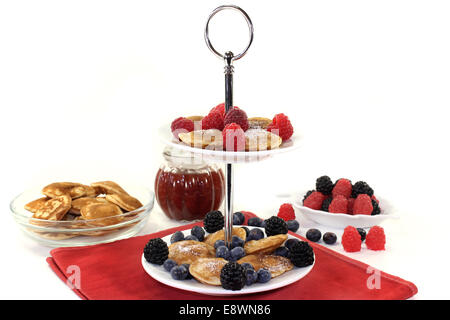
[(114, 271)]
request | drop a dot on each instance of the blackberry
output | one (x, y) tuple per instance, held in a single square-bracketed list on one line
[(156, 251), (301, 254), (238, 218), (361, 187), (233, 276), (313, 235), (275, 225), (324, 185), (307, 195), (293, 225), (376, 208), (326, 204), (213, 221), (290, 243), (198, 232), (362, 233), (329, 238)]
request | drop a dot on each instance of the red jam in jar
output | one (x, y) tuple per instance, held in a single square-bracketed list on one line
[(187, 188)]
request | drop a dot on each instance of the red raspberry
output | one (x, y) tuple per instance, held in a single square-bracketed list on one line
[(363, 205), (238, 116), (214, 120), (314, 200), (339, 204), (281, 126), (351, 203), (342, 187), (351, 239), (233, 137), (181, 125), (376, 239), (220, 108), (374, 198), (286, 212)]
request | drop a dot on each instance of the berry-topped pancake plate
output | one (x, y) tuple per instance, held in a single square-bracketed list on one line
[(342, 220), (213, 152), (205, 264)]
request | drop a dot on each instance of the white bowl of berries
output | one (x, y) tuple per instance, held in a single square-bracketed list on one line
[(341, 204)]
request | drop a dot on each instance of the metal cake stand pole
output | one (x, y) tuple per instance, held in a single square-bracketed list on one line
[(228, 58)]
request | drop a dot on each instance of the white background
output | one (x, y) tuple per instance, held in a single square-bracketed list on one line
[(85, 84)]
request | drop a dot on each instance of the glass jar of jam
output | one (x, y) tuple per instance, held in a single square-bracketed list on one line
[(187, 188)]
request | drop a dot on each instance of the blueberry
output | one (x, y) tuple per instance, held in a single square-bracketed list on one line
[(169, 264), (290, 243), (177, 236), (191, 237), (237, 253), (219, 243), (198, 232), (247, 265), (264, 275), (362, 233), (255, 234), (238, 218), (282, 251), (179, 273), (313, 235), (329, 238), (189, 275), (255, 222), (246, 231), (293, 225), (236, 242), (251, 276), (223, 252)]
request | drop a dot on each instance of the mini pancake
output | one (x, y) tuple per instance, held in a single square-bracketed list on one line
[(220, 235), (258, 123), (207, 270), (260, 139), (205, 139), (54, 209), (264, 245), (79, 203), (106, 212), (126, 202), (37, 204), (188, 251), (108, 187), (74, 190), (275, 264)]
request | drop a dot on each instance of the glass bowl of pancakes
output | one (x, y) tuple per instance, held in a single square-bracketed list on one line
[(66, 214)]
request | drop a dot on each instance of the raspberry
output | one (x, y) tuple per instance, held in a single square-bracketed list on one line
[(363, 205), (237, 116), (220, 108), (376, 239), (281, 125), (233, 137), (351, 203), (214, 120), (342, 187), (286, 212), (181, 125), (314, 200), (351, 239), (338, 205)]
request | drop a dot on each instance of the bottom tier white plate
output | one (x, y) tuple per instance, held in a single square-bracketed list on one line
[(160, 274)]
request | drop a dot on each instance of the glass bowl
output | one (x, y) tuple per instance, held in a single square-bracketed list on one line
[(71, 233)]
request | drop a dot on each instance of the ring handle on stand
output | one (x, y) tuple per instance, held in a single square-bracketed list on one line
[(250, 30)]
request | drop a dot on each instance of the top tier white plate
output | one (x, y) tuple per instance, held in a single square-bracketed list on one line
[(227, 156)]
